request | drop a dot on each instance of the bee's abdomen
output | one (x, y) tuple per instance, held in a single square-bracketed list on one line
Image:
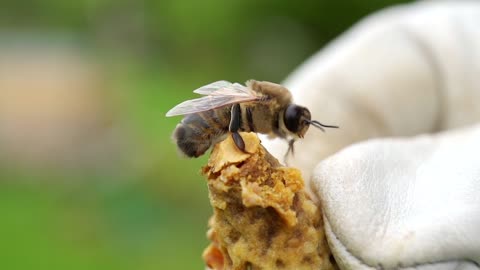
[(198, 132)]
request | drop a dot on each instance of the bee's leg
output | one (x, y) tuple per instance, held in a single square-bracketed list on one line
[(237, 138), (290, 149), (235, 123)]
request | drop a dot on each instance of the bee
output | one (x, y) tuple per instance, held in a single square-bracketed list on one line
[(228, 108)]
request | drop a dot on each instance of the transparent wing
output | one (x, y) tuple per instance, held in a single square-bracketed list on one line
[(217, 94), (208, 103), (209, 88), (223, 88)]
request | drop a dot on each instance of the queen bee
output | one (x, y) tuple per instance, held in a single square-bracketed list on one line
[(228, 108)]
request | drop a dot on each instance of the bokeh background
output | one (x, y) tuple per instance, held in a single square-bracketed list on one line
[(89, 177)]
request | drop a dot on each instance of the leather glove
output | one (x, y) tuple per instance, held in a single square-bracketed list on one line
[(410, 202)]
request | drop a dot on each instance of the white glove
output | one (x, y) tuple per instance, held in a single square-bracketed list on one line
[(404, 202), (392, 203)]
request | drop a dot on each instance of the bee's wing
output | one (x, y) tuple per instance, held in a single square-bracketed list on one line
[(223, 88), (209, 88), (217, 99)]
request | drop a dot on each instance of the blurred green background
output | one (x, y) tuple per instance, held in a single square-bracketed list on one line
[(89, 177)]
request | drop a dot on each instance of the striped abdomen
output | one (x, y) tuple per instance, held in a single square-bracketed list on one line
[(198, 132)]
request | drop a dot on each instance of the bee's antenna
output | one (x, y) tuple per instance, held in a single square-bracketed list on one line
[(319, 125)]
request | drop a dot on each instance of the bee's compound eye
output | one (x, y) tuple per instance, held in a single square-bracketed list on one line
[(292, 116)]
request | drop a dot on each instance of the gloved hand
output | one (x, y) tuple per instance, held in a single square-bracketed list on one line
[(395, 203)]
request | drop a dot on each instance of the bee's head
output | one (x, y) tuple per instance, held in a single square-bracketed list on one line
[(297, 119)]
